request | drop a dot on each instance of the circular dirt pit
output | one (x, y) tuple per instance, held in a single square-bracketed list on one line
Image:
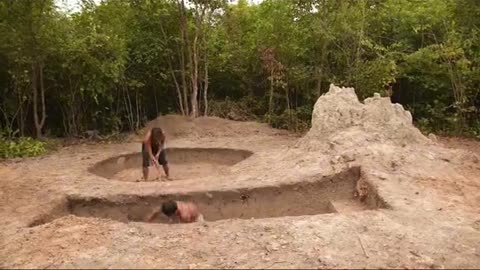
[(184, 163)]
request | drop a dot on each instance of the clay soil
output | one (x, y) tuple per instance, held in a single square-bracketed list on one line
[(271, 205)]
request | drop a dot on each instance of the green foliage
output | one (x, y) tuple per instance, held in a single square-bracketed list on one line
[(375, 75), (247, 108), (292, 120), (22, 147)]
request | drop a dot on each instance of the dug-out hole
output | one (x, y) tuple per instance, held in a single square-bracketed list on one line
[(329, 194), (184, 163)]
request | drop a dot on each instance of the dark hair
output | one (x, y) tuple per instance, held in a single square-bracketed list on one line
[(157, 135), (169, 208)]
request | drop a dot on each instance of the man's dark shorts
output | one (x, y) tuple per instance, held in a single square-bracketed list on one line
[(162, 158)]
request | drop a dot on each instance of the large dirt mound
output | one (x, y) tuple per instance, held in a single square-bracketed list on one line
[(177, 126), (340, 118)]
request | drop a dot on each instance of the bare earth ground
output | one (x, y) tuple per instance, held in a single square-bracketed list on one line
[(181, 172), (432, 190)]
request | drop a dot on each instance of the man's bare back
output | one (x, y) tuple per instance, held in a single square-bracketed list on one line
[(186, 212)]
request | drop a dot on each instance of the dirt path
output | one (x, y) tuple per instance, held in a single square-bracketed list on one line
[(468, 144), (427, 222)]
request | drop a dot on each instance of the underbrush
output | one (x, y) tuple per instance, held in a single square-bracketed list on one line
[(298, 119), (22, 147), (449, 126), (250, 109), (244, 109)]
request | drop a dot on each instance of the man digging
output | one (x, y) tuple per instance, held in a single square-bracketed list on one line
[(178, 211), (153, 151)]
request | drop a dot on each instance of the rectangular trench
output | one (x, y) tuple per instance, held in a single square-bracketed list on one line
[(328, 194)]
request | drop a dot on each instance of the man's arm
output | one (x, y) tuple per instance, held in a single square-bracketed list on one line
[(162, 147), (158, 153), (147, 137), (153, 215), (148, 143), (164, 143)]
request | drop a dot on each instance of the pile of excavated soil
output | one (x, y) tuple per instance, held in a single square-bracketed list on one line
[(381, 137), (176, 126), (339, 118)]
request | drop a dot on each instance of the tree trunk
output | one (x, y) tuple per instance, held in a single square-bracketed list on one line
[(137, 109), (130, 110), (184, 83), (128, 105), (38, 128), (194, 100), (194, 76), (73, 125), (205, 90), (194, 97), (118, 98), (180, 98), (39, 123), (20, 119), (64, 121), (42, 93), (201, 86), (270, 101), (174, 77), (195, 60), (287, 100), (320, 68), (205, 67), (183, 44)]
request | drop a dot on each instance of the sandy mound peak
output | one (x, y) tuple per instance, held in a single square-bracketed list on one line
[(339, 117)]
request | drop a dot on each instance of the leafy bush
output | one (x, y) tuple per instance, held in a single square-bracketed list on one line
[(251, 108), (247, 108), (23, 147), (293, 120)]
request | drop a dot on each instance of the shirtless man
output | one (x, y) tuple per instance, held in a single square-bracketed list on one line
[(186, 212), (153, 151)]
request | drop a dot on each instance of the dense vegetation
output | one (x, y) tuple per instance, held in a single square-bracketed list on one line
[(113, 66)]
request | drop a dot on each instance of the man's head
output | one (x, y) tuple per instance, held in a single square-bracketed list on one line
[(158, 135), (169, 208)]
